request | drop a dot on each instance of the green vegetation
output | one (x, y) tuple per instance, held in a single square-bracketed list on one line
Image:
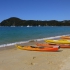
[(14, 21)]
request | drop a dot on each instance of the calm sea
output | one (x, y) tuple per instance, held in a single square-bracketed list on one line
[(16, 35)]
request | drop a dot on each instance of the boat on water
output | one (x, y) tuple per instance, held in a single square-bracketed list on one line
[(60, 41), (28, 26), (53, 45), (33, 48)]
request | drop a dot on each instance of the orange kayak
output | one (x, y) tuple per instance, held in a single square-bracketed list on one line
[(65, 37), (52, 45), (33, 48)]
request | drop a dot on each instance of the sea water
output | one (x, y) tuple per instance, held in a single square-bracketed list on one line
[(17, 35)]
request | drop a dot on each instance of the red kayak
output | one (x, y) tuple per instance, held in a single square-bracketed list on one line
[(33, 48)]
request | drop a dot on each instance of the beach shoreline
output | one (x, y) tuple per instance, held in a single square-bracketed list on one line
[(31, 40), (16, 59)]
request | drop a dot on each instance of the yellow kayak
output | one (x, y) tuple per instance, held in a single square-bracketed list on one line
[(61, 41), (33, 48)]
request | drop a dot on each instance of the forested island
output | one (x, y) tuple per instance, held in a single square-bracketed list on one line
[(14, 21)]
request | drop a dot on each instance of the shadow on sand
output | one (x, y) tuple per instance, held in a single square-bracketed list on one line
[(59, 51)]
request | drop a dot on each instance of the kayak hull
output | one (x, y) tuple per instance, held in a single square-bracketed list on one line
[(52, 45), (30, 48), (65, 37), (62, 41)]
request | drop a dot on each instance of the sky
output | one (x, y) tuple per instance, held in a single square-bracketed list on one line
[(35, 9)]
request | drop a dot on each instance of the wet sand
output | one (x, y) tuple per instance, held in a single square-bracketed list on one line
[(12, 58)]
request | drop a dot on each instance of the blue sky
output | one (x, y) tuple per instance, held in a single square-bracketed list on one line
[(35, 9)]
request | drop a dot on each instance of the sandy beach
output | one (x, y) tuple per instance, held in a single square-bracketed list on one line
[(16, 59)]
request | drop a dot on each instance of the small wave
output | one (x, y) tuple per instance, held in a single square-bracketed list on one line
[(55, 37), (10, 44)]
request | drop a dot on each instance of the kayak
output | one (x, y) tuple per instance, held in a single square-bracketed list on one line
[(52, 45), (61, 41), (33, 48), (65, 37)]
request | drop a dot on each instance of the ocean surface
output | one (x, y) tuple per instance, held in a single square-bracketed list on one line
[(17, 35)]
